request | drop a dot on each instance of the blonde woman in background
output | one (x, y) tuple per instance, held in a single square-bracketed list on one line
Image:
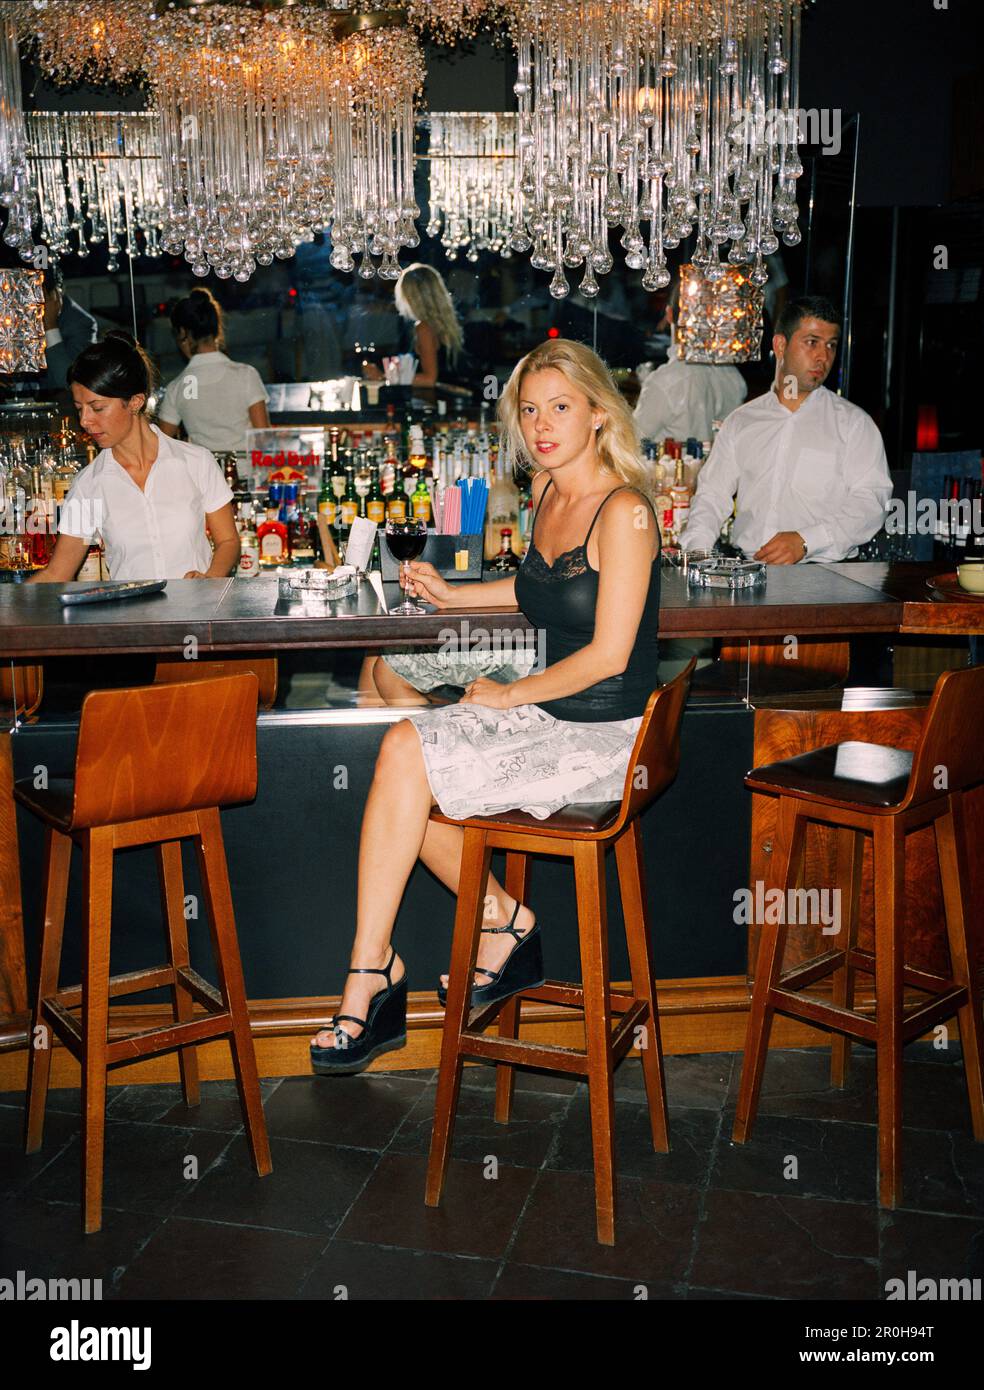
[(590, 584), (422, 298)]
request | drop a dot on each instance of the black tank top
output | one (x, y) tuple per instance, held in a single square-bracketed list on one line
[(560, 600)]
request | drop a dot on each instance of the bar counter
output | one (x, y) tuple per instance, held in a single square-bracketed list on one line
[(292, 852)]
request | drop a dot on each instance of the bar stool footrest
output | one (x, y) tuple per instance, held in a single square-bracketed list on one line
[(131, 983), (170, 1036), (216, 1023), (523, 1053), (572, 996)]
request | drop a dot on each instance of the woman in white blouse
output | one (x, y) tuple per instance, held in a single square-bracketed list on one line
[(149, 497), (217, 400)]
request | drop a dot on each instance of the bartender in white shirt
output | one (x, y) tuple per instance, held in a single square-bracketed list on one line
[(217, 400), (149, 497), (808, 467), (681, 400)]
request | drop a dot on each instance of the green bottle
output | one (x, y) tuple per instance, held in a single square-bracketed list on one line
[(375, 504), (350, 503), (420, 502), (327, 505)]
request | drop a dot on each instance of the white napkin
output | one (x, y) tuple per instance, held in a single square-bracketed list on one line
[(361, 539), (376, 580)]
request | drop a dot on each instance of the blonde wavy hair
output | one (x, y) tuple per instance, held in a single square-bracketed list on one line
[(617, 441), (422, 295)]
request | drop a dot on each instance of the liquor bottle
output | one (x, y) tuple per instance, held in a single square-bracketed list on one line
[(420, 502), (36, 525), (327, 505), (350, 503), (965, 504), (525, 516), (231, 473), (975, 542), (273, 541), (390, 471), (417, 457), (299, 533), (363, 479), (663, 504), (337, 466), (63, 477), (940, 536), (505, 562), (396, 505), (375, 504), (503, 509), (249, 555), (681, 493)]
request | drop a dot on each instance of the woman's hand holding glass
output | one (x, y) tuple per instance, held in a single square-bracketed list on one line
[(427, 584)]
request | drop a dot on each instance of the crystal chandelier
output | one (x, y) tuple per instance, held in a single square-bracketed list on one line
[(379, 77), (472, 173), (246, 167), (272, 130), (662, 117), (16, 193), (719, 321), (98, 41), (98, 178)]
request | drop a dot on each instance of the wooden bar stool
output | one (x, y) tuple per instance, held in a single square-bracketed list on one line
[(264, 668), (153, 765), (867, 788), (22, 687), (581, 833)]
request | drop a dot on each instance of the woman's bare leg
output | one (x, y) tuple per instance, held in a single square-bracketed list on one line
[(396, 832), (393, 828), (393, 688), (441, 852), (366, 690)]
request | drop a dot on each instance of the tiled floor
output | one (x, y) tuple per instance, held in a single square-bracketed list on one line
[(791, 1215)]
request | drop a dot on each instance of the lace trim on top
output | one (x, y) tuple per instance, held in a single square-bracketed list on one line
[(568, 564)]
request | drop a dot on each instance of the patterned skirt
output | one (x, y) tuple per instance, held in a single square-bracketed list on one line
[(481, 761), (428, 670)]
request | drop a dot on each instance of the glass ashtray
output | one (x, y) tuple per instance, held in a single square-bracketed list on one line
[(315, 588), (724, 572)]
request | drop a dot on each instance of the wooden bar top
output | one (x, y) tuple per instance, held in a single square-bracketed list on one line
[(226, 614)]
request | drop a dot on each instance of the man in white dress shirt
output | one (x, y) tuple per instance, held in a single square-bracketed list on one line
[(681, 400), (808, 467)]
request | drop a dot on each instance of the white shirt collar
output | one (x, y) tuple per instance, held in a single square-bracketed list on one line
[(206, 357), (776, 404)]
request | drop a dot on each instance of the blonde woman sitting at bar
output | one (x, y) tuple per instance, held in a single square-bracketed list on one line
[(590, 584)]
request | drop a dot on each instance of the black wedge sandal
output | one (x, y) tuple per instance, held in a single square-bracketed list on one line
[(523, 968), (384, 1029)]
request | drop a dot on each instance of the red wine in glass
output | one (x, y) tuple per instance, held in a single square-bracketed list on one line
[(405, 540)]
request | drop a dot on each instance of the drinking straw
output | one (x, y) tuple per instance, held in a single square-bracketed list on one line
[(474, 494), (451, 518)]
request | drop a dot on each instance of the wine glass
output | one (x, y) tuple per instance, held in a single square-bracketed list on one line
[(405, 541)]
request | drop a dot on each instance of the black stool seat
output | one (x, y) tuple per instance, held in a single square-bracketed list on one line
[(52, 803), (586, 817), (866, 774)]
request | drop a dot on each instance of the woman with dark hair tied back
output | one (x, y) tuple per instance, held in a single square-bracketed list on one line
[(217, 400), (149, 497)]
